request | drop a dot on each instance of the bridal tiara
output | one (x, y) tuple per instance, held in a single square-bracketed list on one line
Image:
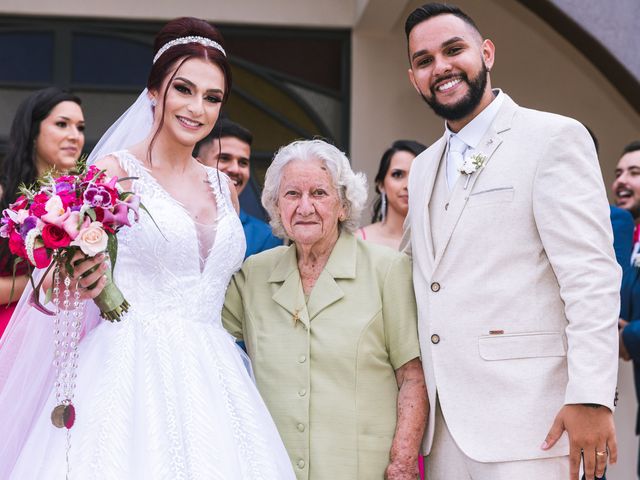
[(207, 42)]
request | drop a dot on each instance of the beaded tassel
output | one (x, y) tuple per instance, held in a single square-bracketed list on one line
[(66, 333)]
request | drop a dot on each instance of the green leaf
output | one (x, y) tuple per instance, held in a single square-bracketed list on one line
[(124, 179), (81, 166), (152, 219), (92, 214), (48, 295), (112, 249), (17, 261)]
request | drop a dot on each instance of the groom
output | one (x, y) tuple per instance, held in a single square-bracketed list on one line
[(514, 272)]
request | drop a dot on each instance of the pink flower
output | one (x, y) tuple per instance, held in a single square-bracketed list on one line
[(16, 245), (91, 239), (20, 203), (54, 236), (42, 257), (72, 225), (56, 212), (38, 206), (92, 174), (17, 217), (65, 179), (69, 199), (116, 218)]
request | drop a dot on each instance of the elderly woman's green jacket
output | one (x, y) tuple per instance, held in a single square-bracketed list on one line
[(326, 366)]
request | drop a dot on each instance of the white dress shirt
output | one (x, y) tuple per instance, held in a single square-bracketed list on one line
[(472, 133)]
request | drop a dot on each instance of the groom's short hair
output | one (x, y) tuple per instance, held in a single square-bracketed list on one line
[(430, 10)]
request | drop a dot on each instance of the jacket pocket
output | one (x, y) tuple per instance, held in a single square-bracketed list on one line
[(492, 195), (522, 345)]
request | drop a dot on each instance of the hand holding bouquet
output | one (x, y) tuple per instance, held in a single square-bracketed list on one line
[(82, 211)]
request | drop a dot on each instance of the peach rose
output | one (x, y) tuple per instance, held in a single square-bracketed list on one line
[(92, 239)]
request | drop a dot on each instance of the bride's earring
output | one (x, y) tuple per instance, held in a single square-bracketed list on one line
[(154, 102), (383, 206)]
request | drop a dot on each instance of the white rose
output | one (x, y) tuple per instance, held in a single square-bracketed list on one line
[(54, 205), (468, 167), (92, 239)]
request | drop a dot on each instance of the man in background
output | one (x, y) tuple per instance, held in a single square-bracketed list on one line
[(626, 192), (626, 186)]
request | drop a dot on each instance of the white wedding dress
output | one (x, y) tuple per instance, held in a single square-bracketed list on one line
[(164, 394)]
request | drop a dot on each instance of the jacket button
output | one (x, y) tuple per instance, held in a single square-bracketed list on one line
[(302, 358), (302, 392), (301, 427), (435, 339), (435, 287), (301, 464)]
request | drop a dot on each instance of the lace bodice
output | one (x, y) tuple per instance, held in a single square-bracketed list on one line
[(179, 268)]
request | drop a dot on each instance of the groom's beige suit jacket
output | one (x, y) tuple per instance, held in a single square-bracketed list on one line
[(518, 306)]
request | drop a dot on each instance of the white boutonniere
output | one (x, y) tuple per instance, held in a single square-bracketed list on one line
[(636, 261), (471, 165)]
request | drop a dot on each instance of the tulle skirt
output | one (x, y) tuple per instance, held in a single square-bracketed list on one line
[(169, 401)]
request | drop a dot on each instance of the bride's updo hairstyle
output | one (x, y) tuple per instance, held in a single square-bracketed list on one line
[(170, 61)]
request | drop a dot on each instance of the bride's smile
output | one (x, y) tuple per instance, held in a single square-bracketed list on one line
[(192, 99)]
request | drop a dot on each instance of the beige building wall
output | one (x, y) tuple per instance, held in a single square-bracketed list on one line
[(534, 64)]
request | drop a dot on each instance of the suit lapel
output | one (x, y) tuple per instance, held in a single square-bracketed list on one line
[(290, 296), (432, 164), (487, 147), (341, 264)]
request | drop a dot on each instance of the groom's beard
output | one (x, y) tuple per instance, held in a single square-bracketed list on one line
[(467, 104)]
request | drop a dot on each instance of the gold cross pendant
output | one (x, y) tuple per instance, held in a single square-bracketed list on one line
[(296, 317)]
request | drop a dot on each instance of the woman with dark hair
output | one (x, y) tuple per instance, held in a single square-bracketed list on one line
[(392, 205), (47, 133), (164, 393)]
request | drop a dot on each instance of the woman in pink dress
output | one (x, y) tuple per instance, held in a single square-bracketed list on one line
[(390, 208), (47, 132)]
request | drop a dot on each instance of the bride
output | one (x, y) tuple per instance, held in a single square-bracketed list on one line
[(163, 394)]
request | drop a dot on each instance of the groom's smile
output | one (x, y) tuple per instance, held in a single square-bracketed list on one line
[(450, 66)]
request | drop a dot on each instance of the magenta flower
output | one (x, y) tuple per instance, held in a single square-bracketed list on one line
[(97, 196)]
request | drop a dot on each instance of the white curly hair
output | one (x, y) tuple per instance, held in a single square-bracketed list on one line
[(351, 186)]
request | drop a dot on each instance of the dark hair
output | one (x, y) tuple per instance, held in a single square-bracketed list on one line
[(179, 28), (632, 147), (410, 146), (225, 128), (19, 164), (430, 10)]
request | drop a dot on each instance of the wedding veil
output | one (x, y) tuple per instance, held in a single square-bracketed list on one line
[(133, 126)]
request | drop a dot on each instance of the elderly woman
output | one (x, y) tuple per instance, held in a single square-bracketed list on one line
[(330, 325)]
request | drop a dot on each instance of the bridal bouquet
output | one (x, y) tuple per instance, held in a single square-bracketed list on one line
[(81, 211)]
